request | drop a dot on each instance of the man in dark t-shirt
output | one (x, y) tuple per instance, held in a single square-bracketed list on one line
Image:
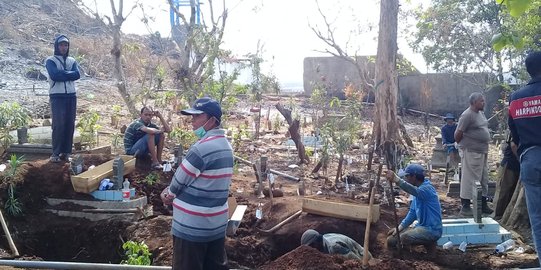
[(142, 137)]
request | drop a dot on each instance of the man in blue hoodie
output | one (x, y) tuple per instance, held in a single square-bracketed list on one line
[(525, 123), (425, 208), (63, 72)]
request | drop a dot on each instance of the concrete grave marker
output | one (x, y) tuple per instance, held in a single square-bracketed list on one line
[(118, 172), (178, 153), (76, 165), (477, 202)]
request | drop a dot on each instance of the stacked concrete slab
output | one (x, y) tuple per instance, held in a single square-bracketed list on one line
[(487, 232)]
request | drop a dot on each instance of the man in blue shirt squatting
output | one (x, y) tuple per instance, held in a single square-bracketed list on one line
[(525, 125), (63, 71), (199, 191), (425, 208)]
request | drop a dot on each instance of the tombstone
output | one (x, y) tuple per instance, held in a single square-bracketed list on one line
[(118, 172), (178, 152), (76, 165), (439, 154), (477, 203)]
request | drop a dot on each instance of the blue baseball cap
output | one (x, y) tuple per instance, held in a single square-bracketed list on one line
[(449, 116), (412, 169), (205, 105)]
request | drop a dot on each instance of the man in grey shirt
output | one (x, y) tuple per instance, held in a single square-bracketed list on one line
[(473, 138)]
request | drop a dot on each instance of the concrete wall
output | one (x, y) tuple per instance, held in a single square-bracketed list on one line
[(437, 93), (443, 92), (332, 72)]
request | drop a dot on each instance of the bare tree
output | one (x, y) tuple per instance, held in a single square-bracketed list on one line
[(385, 86), (116, 51), (360, 63), (200, 48), (294, 126)]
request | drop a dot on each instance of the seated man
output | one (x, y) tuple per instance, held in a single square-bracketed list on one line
[(448, 139), (333, 243), (425, 208), (143, 137)]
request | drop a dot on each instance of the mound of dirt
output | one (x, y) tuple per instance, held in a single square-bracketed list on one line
[(156, 233), (306, 258)]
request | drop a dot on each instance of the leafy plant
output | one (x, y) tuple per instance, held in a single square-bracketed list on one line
[(184, 137), (5, 138), (12, 205), (276, 124), (137, 253), (242, 131), (88, 126), (160, 76), (116, 109), (165, 99), (12, 116), (152, 178), (117, 140)]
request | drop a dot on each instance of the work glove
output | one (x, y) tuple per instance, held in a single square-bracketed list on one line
[(392, 231)]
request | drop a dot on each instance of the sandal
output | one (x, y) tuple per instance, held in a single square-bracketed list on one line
[(156, 166)]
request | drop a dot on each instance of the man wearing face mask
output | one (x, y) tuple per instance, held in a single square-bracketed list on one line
[(199, 191)]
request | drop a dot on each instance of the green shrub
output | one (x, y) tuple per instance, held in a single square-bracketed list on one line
[(136, 253)]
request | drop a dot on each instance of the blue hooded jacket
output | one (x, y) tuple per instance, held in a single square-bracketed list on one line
[(63, 71)]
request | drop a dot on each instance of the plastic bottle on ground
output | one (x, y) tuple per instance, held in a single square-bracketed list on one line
[(259, 211), (448, 245), (126, 190), (463, 246), (503, 247)]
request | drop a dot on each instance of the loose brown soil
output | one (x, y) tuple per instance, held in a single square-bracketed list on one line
[(43, 235)]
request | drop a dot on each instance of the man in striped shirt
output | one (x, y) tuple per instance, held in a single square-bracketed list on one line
[(199, 191)]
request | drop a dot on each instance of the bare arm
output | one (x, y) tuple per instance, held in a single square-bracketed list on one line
[(149, 130), (165, 125), (459, 134)]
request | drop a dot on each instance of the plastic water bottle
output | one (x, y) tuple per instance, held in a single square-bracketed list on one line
[(463, 246), (259, 211), (126, 190), (448, 245), (456, 177), (503, 247)]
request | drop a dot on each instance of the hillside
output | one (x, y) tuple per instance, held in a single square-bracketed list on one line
[(27, 31)]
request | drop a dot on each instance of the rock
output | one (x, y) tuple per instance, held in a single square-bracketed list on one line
[(35, 75)]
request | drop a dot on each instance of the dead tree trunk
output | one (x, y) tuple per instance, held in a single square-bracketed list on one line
[(339, 170), (516, 214), (118, 19), (385, 120), (294, 125), (385, 127), (405, 135)]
